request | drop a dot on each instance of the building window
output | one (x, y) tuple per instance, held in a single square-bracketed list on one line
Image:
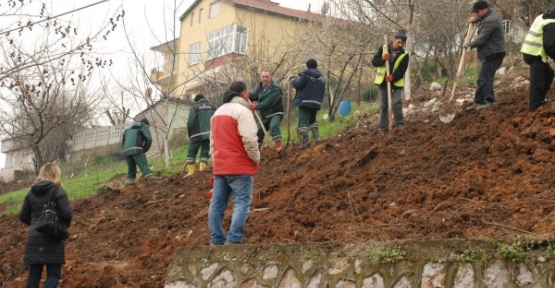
[(200, 14), (230, 39), (214, 10), (507, 26), (192, 17), (194, 54)]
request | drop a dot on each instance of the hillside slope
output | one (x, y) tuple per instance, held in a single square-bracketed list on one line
[(488, 173)]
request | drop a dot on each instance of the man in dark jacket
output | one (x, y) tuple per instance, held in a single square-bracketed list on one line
[(538, 45), (136, 142), (268, 97), (311, 87), (490, 43), (198, 128), (398, 62)]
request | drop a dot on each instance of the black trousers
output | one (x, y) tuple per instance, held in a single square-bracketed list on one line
[(541, 77)]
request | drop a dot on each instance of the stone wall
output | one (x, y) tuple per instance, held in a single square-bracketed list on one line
[(426, 264)]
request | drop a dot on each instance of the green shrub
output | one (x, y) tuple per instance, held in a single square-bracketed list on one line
[(370, 94)]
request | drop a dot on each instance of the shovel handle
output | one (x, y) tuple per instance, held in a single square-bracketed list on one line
[(266, 137), (461, 63), (388, 71)]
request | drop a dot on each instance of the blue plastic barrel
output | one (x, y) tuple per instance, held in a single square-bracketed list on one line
[(344, 108)]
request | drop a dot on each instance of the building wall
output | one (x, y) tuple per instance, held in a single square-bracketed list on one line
[(268, 35), (175, 116), (16, 160), (97, 137), (22, 159)]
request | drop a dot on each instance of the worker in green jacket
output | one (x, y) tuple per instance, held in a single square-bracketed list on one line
[(136, 142), (267, 96), (198, 128)]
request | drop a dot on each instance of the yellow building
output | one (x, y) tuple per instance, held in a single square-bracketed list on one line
[(227, 40)]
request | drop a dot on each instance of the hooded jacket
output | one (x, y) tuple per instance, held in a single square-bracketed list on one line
[(269, 100), (41, 248), (136, 139), (310, 86), (233, 140), (198, 123), (491, 37)]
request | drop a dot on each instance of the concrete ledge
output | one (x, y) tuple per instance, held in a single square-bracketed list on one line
[(449, 263)]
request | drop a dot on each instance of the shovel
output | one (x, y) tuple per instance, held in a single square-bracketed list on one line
[(447, 114), (388, 71), (266, 136)]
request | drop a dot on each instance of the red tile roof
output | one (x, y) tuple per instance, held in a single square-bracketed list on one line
[(263, 5)]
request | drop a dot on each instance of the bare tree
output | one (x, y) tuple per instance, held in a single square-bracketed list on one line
[(43, 82)]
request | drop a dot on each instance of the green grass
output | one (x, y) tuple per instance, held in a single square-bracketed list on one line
[(89, 177)]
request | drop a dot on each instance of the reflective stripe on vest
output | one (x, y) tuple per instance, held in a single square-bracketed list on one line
[(533, 42), (380, 73)]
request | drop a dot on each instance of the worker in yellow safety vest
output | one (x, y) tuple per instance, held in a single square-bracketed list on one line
[(538, 45), (399, 60)]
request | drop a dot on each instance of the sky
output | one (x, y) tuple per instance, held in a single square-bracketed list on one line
[(146, 24)]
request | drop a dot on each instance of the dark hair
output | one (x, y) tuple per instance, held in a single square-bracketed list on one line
[(311, 63), (479, 5), (238, 86), (145, 121), (198, 97)]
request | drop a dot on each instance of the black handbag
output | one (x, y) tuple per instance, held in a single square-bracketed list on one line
[(49, 221)]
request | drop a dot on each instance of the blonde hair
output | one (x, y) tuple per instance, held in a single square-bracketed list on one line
[(51, 172)]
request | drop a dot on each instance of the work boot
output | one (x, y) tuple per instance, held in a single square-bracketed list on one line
[(128, 182), (304, 139), (190, 169), (476, 106), (315, 136), (202, 166), (278, 146)]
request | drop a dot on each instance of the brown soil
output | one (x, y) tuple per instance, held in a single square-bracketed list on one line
[(488, 173)]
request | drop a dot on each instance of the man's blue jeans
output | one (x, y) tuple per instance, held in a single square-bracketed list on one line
[(240, 187)]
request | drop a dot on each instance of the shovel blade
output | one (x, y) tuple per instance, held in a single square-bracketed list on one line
[(446, 118)]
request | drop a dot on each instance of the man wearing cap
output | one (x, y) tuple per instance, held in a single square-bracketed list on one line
[(311, 87), (399, 61), (538, 45), (268, 97), (136, 141), (198, 129), (490, 43)]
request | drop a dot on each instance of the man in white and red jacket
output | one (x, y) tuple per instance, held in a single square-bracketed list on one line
[(236, 158)]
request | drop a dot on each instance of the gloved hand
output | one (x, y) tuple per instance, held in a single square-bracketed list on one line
[(209, 195), (212, 181), (385, 57), (389, 78), (253, 106)]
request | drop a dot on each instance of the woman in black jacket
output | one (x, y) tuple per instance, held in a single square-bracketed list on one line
[(42, 249)]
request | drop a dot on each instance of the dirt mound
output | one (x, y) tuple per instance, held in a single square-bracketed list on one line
[(488, 173)]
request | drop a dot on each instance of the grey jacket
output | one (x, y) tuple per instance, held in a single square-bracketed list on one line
[(491, 37)]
